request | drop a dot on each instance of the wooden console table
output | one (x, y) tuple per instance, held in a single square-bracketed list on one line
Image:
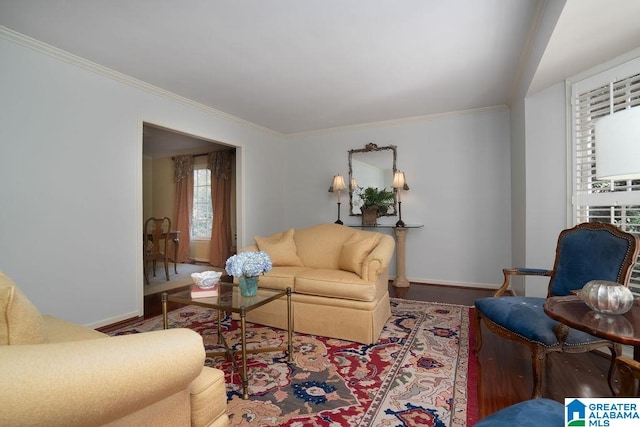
[(401, 280)]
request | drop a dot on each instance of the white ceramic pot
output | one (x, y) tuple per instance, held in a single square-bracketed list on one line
[(206, 279)]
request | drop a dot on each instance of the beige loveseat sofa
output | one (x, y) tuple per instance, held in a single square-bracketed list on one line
[(339, 278), (57, 373)]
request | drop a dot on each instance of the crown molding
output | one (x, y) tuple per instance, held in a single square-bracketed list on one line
[(85, 64), (392, 122)]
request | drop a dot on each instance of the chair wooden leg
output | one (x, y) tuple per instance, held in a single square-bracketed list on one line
[(478, 326), (145, 272), (616, 350), (166, 269), (538, 362)]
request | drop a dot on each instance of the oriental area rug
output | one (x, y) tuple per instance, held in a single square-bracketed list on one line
[(421, 371)]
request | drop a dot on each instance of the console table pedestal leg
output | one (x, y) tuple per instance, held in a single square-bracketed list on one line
[(401, 237)]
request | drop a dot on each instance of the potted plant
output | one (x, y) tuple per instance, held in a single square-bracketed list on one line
[(374, 204), (246, 266)]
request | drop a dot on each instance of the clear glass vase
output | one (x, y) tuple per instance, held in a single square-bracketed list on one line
[(248, 285)]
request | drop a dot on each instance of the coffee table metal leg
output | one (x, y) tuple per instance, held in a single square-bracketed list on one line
[(165, 322), (289, 326), (176, 242), (243, 335)]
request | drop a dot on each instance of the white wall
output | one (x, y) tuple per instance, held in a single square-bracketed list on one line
[(457, 169), (546, 194), (71, 173), (520, 208)]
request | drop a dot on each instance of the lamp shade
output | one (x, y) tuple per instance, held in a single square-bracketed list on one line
[(338, 183), (398, 180), (618, 145)]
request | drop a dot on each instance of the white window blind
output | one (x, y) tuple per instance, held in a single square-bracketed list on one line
[(603, 201)]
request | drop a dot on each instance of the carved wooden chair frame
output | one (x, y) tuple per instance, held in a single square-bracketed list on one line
[(539, 351)]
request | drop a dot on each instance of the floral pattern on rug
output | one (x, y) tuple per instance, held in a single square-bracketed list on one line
[(416, 374)]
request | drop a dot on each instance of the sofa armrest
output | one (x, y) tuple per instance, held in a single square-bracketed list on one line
[(93, 382), (378, 259)]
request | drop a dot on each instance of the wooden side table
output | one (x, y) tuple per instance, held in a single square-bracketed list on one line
[(400, 233), (619, 328)]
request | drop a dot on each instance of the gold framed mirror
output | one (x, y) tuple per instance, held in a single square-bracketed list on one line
[(371, 166)]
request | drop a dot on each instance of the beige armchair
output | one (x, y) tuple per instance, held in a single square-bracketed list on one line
[(57, 373)]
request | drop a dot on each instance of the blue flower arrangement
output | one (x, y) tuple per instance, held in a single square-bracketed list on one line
[(250, 263)]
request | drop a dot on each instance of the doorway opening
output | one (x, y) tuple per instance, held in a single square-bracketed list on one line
[(160, 147)]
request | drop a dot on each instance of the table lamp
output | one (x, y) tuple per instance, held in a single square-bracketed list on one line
[(337, 185), (618, 146), (399, 183)]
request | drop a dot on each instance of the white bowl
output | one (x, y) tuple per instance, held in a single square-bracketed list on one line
[(206, 279)]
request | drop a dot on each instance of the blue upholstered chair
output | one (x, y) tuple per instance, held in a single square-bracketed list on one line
[(586, 252), (549, 413), (534, 413)]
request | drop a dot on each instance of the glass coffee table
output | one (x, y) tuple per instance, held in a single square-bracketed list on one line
[(230, 300)]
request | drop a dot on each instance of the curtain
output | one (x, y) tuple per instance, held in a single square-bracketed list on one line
[(220, 163), (184, 204)]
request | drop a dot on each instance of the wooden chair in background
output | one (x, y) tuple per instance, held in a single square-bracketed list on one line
[(156, 245)]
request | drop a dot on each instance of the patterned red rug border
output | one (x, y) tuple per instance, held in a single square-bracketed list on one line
[(473, 409)]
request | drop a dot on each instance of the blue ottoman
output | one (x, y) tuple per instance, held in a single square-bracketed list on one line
[(535, 412)]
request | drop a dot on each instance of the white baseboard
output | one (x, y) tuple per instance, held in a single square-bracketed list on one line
[(451, 283), (114, 320)]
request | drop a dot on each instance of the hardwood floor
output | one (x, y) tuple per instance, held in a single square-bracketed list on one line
[(504, 371)]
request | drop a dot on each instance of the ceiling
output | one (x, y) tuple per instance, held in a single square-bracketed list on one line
[(161, 142), (295, 66)]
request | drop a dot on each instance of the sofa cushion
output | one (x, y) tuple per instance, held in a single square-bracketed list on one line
[(319, 246), (526, 316), (281, 248), (534, 412), (20, 320), (334, 284), (354, 251), (281, 277)]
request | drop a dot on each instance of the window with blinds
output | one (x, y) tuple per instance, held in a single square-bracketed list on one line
[(616, 202), (202, 213)]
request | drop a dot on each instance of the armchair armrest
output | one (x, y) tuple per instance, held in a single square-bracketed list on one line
[(508, 272), (93, 382), (629, 371)]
